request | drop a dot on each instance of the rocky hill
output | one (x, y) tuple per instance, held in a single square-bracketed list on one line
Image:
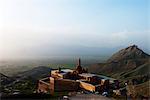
[(131, 59), (131, 52)]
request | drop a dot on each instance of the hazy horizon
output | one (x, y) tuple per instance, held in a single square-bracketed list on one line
[(40, 29)]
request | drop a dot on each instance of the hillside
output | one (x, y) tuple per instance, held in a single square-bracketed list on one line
[(5, 79), (139, 71), (24, 82), (142, 89), (35, 73), (128, 62)]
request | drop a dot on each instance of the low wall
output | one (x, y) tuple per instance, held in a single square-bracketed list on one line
[(87, 86)]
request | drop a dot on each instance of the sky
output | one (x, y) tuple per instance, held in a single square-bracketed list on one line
[(44, 28)]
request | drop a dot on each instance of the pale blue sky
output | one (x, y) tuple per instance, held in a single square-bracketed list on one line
[(43, 27)]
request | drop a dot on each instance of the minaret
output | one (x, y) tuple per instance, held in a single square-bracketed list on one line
[(79, 68), (79, 62)]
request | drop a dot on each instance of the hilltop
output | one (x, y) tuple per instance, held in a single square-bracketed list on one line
[(131, 52)]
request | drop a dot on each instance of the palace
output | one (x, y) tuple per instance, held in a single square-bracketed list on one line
[(61, 80)]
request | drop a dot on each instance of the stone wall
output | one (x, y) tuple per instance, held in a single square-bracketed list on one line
[(43, 86), (52, 80), (66, 85)]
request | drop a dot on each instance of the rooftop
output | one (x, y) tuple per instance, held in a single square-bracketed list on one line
[(99, 76), (87, 75), (66, 70), (105, 77)]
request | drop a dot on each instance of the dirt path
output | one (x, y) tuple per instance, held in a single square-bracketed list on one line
[(89, 97)]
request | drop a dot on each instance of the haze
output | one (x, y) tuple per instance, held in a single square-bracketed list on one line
[(46, 28)]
